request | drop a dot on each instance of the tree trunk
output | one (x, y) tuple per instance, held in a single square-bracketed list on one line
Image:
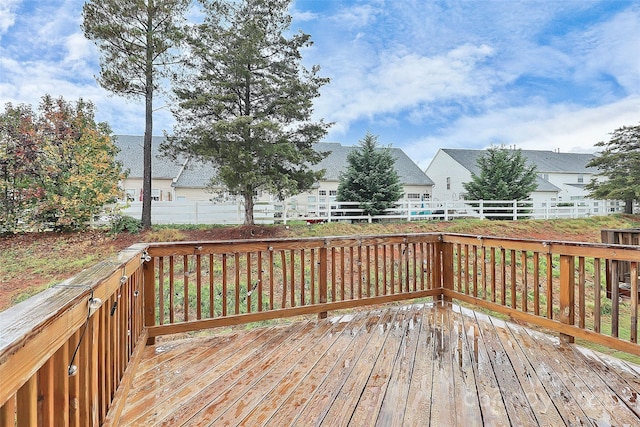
[(628, 206), (148, 124), (248, 208)]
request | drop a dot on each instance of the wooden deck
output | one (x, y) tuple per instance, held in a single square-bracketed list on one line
[(418, 365)]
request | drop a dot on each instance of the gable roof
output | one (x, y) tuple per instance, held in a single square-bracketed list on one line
[(336, 162), (191, 173), (545, 161), (131, 152)]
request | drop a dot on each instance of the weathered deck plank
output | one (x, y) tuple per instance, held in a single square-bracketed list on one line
[(404, 365)]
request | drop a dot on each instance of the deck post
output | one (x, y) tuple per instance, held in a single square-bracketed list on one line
[(446, 254), (149, 286), (322, 281), (567, 294)]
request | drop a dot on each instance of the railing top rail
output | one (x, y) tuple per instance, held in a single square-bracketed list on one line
[(182, 248), (598, 250)]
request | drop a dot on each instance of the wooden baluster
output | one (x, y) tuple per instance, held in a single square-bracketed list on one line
[(384, 270), (582, 309), (237, 282), (536, 283), (493, 274), (172, 290), (597, 294), (224, 285), (212, 288), (161, 290), (376, 266), (27, 403), (503, 277), (8, 412), (302, 277), (283, 257), (149, 296), (525, 279), (271, 279), (260, 279), (334, 271), (185, 287), (514, 282), (633, 274), (292, 273), (249, 284), (61, 388), (567, 294), (312, 279), (322, 280), (615, 297), (549, 285), (198, 287)]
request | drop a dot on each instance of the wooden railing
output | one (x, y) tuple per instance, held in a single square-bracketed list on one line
[(67, 355), (65, 351), (202, 285), (556, 285)]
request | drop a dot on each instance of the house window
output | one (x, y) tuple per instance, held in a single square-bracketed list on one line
[(311, 199), (413, 196), (156, 194), (333, 192), (130, 194), (580, 179), (448, 183), (322, 192), (426, 196)]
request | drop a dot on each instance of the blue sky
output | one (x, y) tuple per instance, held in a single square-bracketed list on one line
[(420, 74)]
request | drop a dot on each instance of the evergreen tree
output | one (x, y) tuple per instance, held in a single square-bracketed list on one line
[(245, 104), (136, 39), (619, 165), (370, 178), (504, 175)]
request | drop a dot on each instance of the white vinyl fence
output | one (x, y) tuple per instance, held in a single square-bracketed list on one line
[(192, 212)]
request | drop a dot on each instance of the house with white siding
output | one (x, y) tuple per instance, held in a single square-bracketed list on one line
[(561, 176)]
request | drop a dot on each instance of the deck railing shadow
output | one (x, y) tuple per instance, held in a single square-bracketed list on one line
[(67, 355)]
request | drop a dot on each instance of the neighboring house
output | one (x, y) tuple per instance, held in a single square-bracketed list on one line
[(416, 184), (187, 179), (561, 176)]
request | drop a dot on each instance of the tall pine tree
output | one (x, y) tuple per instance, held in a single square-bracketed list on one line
[(246, 103), (136, 39), (370, 178)]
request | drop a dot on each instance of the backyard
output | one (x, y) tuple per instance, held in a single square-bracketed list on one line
[(32, 262)]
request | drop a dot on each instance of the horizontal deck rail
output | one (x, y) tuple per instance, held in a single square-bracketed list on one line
[(94, 325)]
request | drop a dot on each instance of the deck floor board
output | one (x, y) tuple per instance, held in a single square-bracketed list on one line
[(422, 364)]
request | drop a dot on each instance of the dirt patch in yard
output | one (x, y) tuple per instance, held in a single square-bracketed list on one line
[(30, 262)]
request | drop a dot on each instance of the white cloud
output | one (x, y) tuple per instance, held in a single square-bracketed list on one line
[(399, 83), (7, 14)]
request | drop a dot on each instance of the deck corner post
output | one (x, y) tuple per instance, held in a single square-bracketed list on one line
[(567, 294), (322, 281), (446, 254), (149, 287)]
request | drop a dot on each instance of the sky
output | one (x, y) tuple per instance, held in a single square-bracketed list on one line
[(419, 74)]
